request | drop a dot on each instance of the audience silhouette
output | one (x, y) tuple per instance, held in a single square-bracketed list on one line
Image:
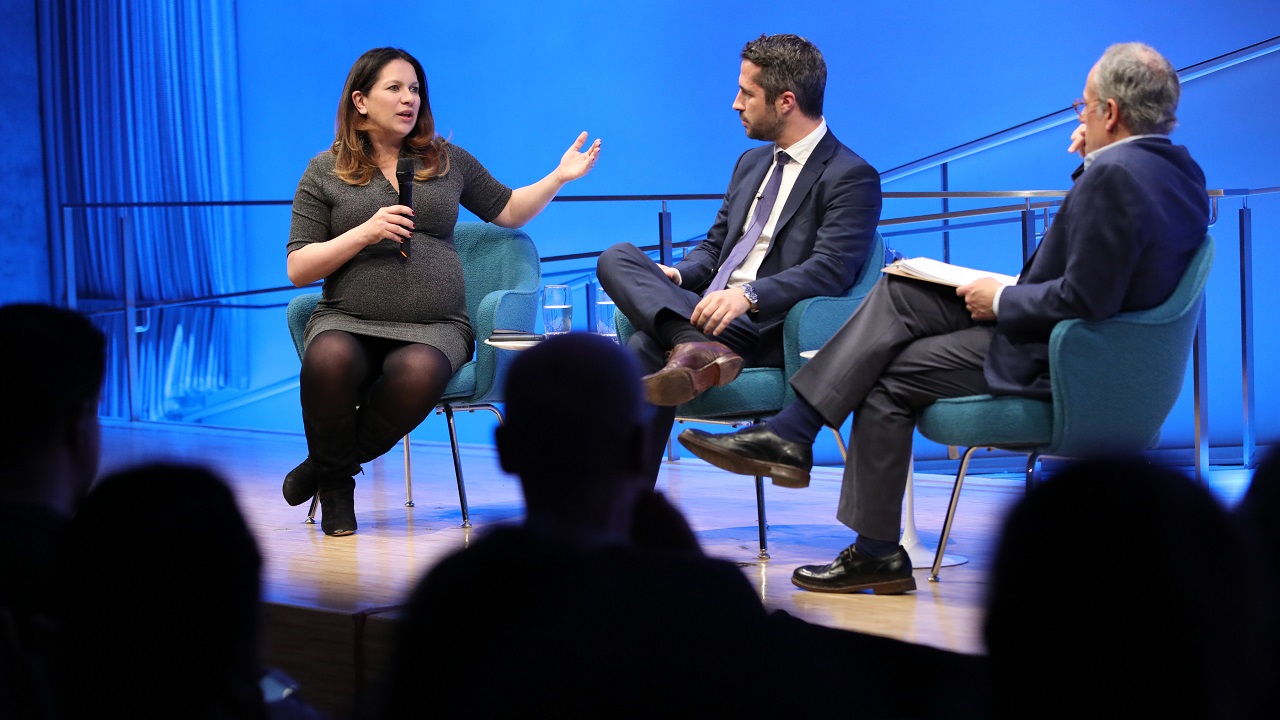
[(1259, 516), (1119, 588), (1122, 589), (600, 603), (51, 377), (1259, 509), (158, 602)]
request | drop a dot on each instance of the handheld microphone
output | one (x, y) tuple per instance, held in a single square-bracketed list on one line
[(404, 178)]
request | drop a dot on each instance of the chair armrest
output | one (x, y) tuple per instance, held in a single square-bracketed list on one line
[(809, 325), (507, 309)]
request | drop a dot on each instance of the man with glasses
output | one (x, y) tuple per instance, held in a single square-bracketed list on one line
[(1120, 242)]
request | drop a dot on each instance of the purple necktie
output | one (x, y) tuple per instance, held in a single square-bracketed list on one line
[(764, 206)]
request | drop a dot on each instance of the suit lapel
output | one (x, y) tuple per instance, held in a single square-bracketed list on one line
[(809, 174), (738, 211)]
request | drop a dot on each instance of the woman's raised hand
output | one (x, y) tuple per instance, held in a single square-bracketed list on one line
[(577, 162)]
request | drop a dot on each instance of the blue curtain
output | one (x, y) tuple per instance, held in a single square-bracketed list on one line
[(147, 110)]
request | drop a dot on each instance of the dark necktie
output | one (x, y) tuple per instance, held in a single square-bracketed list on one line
[(764, 206)]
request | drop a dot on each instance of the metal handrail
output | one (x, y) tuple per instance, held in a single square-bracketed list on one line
[(1214, 195), (1068, 115)]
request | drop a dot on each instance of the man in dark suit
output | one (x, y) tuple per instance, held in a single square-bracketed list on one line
[(797, 222), (1121, 241)]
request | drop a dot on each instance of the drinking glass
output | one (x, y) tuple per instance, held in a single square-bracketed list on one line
[(605, 324), (557, 310)]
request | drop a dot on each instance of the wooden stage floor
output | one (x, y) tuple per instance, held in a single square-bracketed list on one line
[(330, 602)]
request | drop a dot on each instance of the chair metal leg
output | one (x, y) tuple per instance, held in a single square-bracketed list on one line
[(951, 514), (1033, 470), (844, 450), (408, 474), (921, 555), (457, 466), (761, 522)]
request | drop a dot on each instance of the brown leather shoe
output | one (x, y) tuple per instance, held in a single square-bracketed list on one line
[(691, 369)]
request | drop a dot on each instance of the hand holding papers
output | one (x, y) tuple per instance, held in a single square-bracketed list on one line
[(935, 271), (978, 288)]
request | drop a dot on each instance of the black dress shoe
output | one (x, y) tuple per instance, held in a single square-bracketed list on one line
[(754, 451), (691, 369), (852, 571)]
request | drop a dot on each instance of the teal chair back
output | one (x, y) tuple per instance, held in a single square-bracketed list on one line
[(1113, 383)]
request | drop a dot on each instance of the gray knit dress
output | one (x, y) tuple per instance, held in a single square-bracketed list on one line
[(378, 292)]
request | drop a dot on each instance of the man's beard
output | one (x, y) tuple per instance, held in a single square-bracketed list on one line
[(767, 128)]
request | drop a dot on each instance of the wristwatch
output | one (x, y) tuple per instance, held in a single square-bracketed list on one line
[(750, 293)]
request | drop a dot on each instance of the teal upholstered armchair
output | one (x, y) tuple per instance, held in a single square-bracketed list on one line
[(1114, 382), (758, 393), (502, 274)]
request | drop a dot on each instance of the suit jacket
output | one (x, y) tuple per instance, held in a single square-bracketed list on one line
[(821, 239), (1121, 241)]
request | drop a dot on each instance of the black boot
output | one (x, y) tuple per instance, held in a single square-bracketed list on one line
[(331, 447), (338, 506), (301, 483), (374, 435)]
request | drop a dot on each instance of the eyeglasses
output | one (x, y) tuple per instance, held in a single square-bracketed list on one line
[(1081, 105)]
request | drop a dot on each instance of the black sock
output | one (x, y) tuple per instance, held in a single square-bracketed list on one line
[(672, 330), (798, 422), (875, 548)]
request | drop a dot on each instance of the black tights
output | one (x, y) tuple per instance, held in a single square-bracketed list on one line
[(396, 382)]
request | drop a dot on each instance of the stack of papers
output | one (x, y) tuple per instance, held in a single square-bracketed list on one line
[(936, 271)]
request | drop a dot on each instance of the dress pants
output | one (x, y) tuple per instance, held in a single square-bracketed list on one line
[(642, 291), (908, 344)]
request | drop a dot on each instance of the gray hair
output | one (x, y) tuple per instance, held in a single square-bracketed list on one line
[(789, 62), (1143, 84)]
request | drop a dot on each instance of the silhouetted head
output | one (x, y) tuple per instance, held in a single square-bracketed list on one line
[(1123, 589), (160, 599), (575, 418), (1259, 510), (51, 374)]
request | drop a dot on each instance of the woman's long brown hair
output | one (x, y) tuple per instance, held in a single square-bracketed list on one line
[(351, 143)]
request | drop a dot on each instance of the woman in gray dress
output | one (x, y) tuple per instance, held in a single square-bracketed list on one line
[(391, 327)]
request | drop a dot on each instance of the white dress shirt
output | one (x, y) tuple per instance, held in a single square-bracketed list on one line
[(799, 153)]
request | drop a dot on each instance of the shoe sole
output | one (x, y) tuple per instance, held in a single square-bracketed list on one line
[(677, 387), (781, 475), (885, 587)]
